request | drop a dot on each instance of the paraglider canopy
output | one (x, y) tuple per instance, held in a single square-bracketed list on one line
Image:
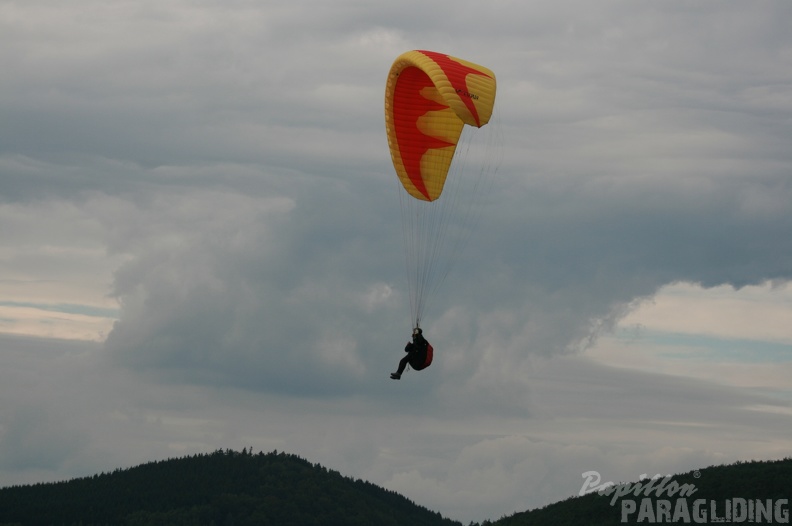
[(432, 101), (429, 97)]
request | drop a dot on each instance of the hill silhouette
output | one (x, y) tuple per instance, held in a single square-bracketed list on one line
[(743, 493), (219, 489), (227, 488)]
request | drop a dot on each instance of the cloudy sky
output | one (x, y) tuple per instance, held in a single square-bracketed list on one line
[(200, 243)]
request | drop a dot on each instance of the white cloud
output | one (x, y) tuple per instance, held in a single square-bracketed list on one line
[(756, 312)]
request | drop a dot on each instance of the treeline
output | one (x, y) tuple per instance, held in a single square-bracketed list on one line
[(757, 492), (222, 488), (227, 488)]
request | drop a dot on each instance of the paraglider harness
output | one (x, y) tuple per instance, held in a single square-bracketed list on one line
[(421, 352)]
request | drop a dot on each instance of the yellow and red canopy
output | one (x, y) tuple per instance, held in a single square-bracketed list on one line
[(429, 97)]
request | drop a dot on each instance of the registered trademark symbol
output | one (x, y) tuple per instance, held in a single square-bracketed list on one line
[(696, 474)]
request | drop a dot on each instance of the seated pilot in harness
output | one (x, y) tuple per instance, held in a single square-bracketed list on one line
[(419, 354)]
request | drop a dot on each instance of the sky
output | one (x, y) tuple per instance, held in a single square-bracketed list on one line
[(201, 245)]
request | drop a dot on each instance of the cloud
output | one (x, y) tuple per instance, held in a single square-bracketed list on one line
[(36, 439), (37, 435), (243, 289), (755, 312), (248, 197)]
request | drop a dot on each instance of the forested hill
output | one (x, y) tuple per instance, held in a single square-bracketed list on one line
[(741, 493), (241, 488), (221, 488)]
